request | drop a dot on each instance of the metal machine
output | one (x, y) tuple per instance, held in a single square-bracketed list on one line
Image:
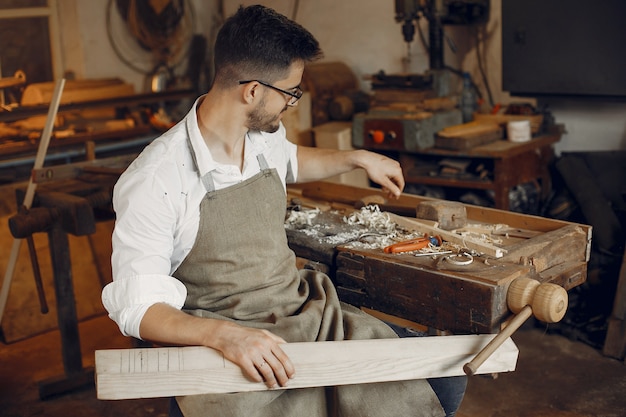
[(390, 126), (397, 130), (439, 13)]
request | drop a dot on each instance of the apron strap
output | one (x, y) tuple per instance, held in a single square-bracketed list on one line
[(289, 178), (207, 181), (262, 162)]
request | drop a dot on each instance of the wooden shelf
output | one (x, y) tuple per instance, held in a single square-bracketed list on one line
[(26, 147), (510, 164), (29, 111)]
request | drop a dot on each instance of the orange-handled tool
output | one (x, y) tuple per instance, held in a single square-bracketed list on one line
[(413, 244)]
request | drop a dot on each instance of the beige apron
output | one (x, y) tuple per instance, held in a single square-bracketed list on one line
[(241, 269)]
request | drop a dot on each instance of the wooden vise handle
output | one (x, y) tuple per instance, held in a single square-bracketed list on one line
[(471, 367), (525, 297)]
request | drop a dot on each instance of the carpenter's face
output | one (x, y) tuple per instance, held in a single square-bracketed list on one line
[(268, 112)]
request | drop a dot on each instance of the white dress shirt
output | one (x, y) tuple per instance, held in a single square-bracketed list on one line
[(156, 202)]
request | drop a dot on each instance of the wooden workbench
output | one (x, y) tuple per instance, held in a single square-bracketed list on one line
[(469, 299), (425, 290)]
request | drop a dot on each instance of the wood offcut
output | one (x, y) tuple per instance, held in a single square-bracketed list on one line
[(166, 372)]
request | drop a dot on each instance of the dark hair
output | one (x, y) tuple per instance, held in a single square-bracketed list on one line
[(259, 43)]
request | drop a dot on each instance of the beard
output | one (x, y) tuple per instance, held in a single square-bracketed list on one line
[(261, 120)]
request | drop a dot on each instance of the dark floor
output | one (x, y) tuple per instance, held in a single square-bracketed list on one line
[(555, 377)]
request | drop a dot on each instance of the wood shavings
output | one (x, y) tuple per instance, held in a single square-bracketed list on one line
[(329, 228), (383, 231), (371, 217), (367, 228), (302, 218), (481, 231), (372, 242)]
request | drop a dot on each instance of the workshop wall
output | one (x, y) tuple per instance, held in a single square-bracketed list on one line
[(591, 124), (364, 35)]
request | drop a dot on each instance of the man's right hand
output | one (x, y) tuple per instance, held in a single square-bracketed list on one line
[(257, 352)]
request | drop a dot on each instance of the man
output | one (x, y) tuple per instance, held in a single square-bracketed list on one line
[(200, 255)]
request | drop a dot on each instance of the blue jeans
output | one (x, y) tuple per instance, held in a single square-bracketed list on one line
[(449, 390)]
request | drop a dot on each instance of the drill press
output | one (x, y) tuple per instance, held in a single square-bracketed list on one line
[(392, 127)]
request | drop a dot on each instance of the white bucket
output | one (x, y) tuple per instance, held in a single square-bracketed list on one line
[(518, 131)]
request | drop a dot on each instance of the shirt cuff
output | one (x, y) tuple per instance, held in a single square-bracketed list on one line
[(127, 299)]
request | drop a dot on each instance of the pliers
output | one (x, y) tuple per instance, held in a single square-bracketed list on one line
[(413, 244)]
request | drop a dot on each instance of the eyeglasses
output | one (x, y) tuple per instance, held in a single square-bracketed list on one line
[(293, 96)]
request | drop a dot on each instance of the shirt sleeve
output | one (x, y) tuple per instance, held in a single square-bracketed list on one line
[(142, 241), (127, 299)]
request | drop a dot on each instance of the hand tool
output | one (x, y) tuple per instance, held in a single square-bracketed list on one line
[(413, 244)]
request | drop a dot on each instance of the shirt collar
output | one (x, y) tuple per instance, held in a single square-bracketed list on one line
[(256, 143)]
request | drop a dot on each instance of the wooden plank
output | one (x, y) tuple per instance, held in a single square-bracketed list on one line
[(166, 372), (467, 135), (615, 342), (466, 241), (549, 249), (77, 91)]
